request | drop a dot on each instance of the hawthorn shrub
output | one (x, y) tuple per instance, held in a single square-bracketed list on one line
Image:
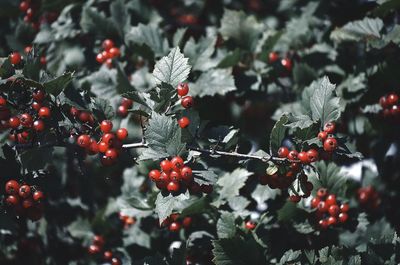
[(199, 132)]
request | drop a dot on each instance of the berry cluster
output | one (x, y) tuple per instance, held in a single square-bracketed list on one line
[(368, 198), (174, 222), (186, 102), (127, 220), (25, 199), (329, 212), (273, 57), (328, 139), (109, 52), (303, 157), (97, 246), (43, 60), (390, 105), (110, 143), (126, 104), (30, 10)]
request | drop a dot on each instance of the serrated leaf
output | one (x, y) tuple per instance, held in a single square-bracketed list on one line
[(299, 121), (231, 59), (226, 227), (172, 69), (57, 85), (166, 205), (303, 74), (366, 29), (264, 193), (278, 133), (205, 177), (36, 158), (200, 53), (324, 105), (289, 257), (229, 251), (138, 203), (213, 82), (135, 235), (120, 16), (102, 109), (95, 22), (329, 177), (81, 229), (178, 37)]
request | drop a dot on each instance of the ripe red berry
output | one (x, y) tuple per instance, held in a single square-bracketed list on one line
[(83, 140), (100, 58), (287, 63), (182, 89), (38, 95), (114, 52), (106, 126), (38, 195), (330, 127), (183, 122), (122, 111), (312, 155), (44, 112), (332, 220), (74, 112), (333, 210), (3, 101), (187, 221), (115, 261), (322, 207), (383, 102), (174, 227), (187, 174), (173, 186), (292, 155), (122, 133), (175, 175), (177, 162), (166, 165), (12, 187), (107, 255), (127, 102), (24, 191), (273, 57), (107, 44), (15, 58), (330, 144), (154, 175), (108, 138), (303, 157), (283, 152), (14, 122), (29, 13), (84, 116), (344, 207), (12, 200), (111, 153), (323, 223), (322, 135), (26, 120), (98, 240), (187, 102), (103, 147), (93, 147), (93, 249), (43, 60), (23, 6), (392, 99), (315, 202), (294, 198), (331, 199), (27, 203), (250, 225), (322, 192), (38, 125), (343, 217)]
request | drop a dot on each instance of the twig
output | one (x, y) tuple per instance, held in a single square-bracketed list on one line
[(135, 145)]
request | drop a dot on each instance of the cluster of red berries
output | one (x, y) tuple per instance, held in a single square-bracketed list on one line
[(186, 102), (368, 198), (109, 52), (110, 143), (126, 104), (329, 212), (174, 222), (328, 139), (30, 10), (390, 105), (24, 199), (127, 220), (97, 246), (43, 60), (304, 157), (32, 120), (273, 57)]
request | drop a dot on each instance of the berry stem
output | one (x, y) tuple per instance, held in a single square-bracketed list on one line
[(142, 144)]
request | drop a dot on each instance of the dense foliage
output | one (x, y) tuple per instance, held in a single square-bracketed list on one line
[(199, 132)]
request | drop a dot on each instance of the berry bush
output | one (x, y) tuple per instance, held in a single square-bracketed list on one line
[(199, 132)]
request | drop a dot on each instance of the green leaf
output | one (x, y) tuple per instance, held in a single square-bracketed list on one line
[(205, 177), (36, 158), (288, 212), (150, 35), (199, 206), (92, 21), (264, 193), (6, 68), (178, 37), (278, 133), (200, 53), (102, 109), (120, 16), (80, 229), (57, 85), (366, 29), (172, 69), (299, 121), (289, 257), (329, 177), (166, 205), (135, 235), (236, 251), (231, 59), (163, 136), (226, 227), (303, 74), (324, 105), (137, 203), (213, 82)]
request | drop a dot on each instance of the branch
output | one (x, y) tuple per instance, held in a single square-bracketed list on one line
[(135, 145)]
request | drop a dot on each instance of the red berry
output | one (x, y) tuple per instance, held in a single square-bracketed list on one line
[(183, 122), (182, 89), (93, 147), (109, 63), (107, 44), (312, 155), (115, 261), (166, 165), (83, 140), (273, 57), (24, 191), (344, 207), (177, 162), (108, 138), (122, 133), (122, 111), (187, 174), (114, 52), (12, 187), (322, 135), (27, 203), (287, 63), (38, 95), (29, 13), (292, 155), (127, 103), (84, 116), (175, 176), (74, 112), (322, 192), (38, 195), (100, 58), (363, 197), (103, 147), (12, 200), (331, 199), (323, 224), (174, 227), (295, 198), (154, 175), (15, 58), (383, 102), (173, 186), (303, 157), (250, 225), (187, 221), (107, 255), (322, 207), (106, 126), (330, 127), (392, 99), (23, 6), (98, 240), (43, 60), (44, 112), (283, 152), (3, 101), (343, 217), (26, 120), (111, 153), (93, 249), (330, 144), (187, 102), (315, 202), (333, 210), (332, 220), (36, 106), (14, 122)]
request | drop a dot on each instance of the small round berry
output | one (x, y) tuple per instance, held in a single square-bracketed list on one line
[(283, 152), (106, 126), (84, 116), (332, 220), (343, 217), (323, 224), (330, 127), (15, 58), (175, 176), (109, 63), (177, 162), (103, 147), (98, 240), (74, 112), (322, 135), (108, 138), (38, 195), (36, 105), (312, 155), (292, 155), (392, 99), (333, 210), (182, 89), (183, 122), (12, 200), (14, 122), (174, 227), (114, 52), (23, 6), (187, 221), (44, 112), (107, 44), (115, 261), (93, 147), (107, 255), (29, 13), (331, 199), (83, 140), (173, 186), (93, 249), (187, 174), (12, 187), (250, 225), (27, 203), (287, 63), (127, 102), (294, 198), (122, 133), (111, 153), (166, 165), (330, 144), (273, 57), (38, 95), (322, 207), (303, 157), (100, 58), (154, 175), (122, 111), (26, 120), (3, 101), (383, 102), (24, 191), (315, 202), (322, 192), (187, 102), (344, 207)]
